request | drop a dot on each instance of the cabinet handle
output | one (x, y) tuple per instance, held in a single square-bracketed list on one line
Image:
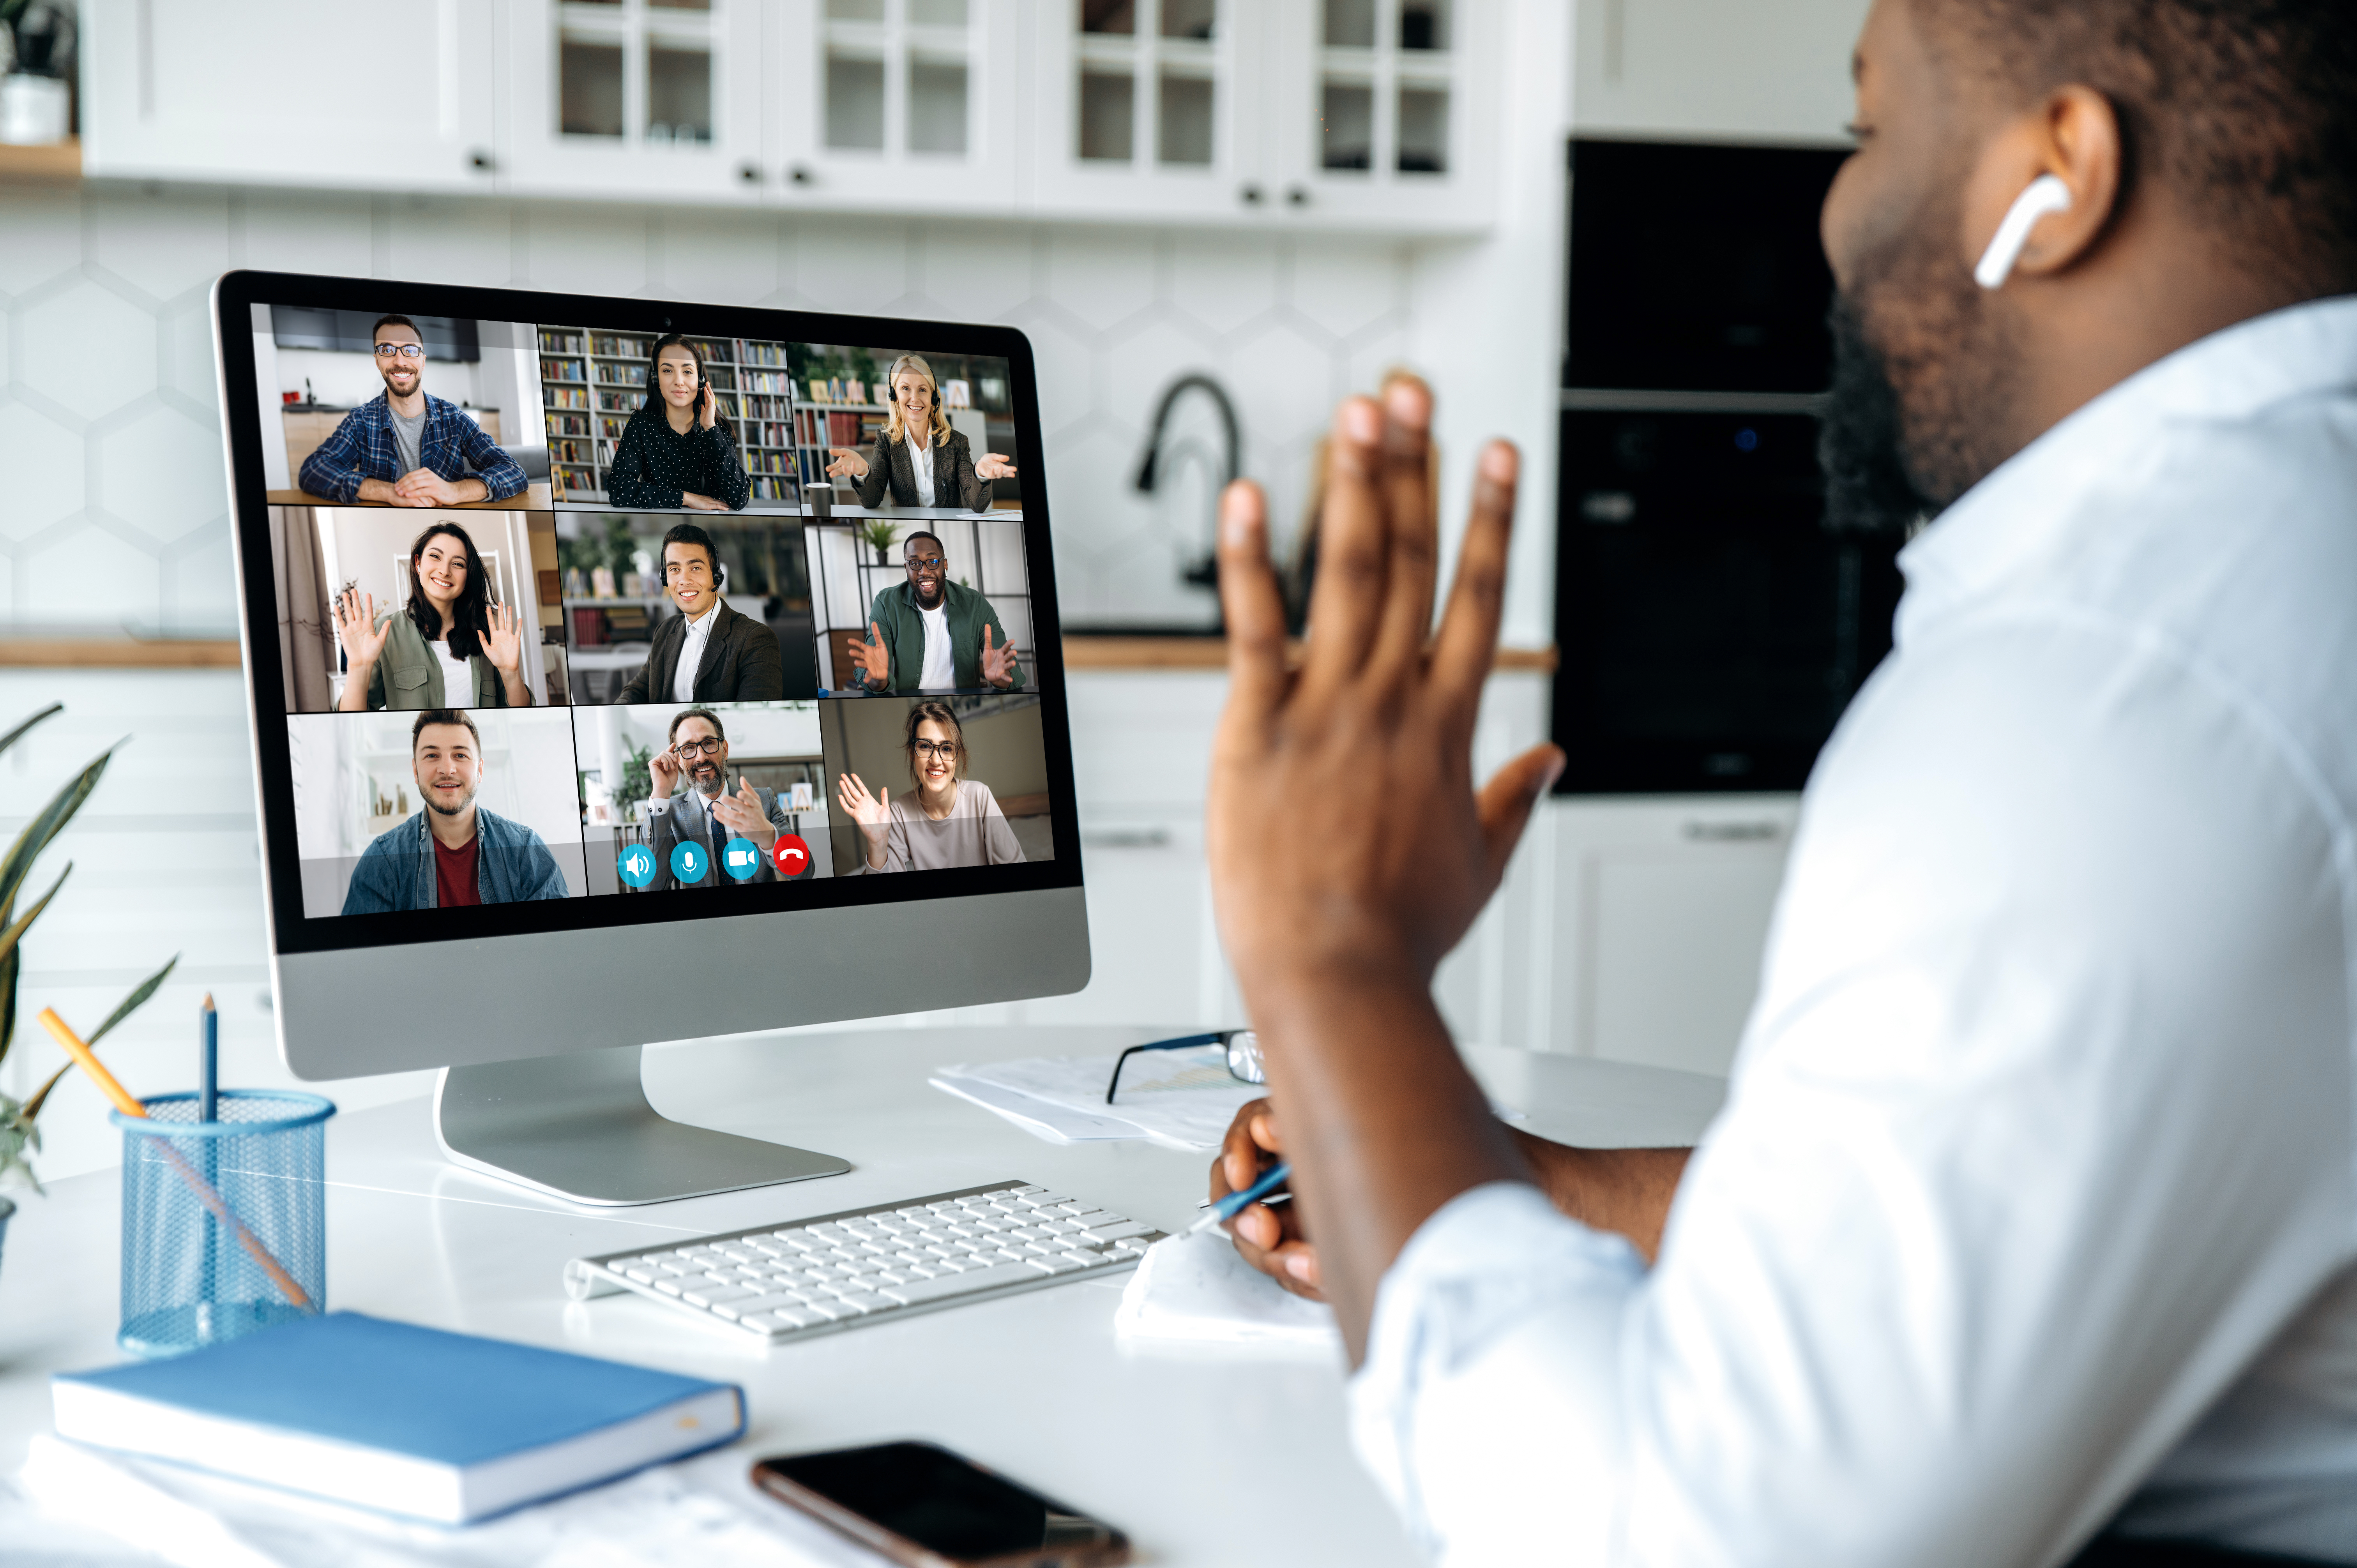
[(1128, 838), (1299, 196), (751, 173), (480, 161), (1733, 832), (800, 175), (1251, 195)]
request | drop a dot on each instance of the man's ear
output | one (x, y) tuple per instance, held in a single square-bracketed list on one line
[(2073, 133)]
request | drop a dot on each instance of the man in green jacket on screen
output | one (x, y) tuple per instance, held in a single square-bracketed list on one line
[(930, 634)]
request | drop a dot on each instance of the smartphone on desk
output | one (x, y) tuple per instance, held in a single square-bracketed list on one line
[(923, 1506)]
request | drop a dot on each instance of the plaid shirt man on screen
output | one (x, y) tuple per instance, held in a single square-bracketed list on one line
[(407, 448)]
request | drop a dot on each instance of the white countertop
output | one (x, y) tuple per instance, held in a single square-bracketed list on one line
[(1205, 1457)]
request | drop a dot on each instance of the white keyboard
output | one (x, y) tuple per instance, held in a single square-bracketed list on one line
[(868, 1264)]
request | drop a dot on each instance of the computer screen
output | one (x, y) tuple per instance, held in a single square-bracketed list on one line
[(590, 636)]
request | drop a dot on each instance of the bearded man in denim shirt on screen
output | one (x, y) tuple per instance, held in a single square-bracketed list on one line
[(452, 853)]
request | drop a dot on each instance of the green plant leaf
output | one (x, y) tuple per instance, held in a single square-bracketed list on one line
[(15, 734), (132, 1003), (12, 964), (16, 932), (38, 833), (41, 1095)]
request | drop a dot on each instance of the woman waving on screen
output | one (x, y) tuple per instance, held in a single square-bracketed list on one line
[(949, 820), (917, 455), (449, 647)]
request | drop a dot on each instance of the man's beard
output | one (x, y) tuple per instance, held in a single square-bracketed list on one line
[(708, 784), (464, 801), (933, 597), (1922, 375)]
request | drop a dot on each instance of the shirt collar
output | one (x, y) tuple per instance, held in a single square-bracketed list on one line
[(2001, 528)]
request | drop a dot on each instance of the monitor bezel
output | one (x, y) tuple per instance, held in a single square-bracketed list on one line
[(236, 293)]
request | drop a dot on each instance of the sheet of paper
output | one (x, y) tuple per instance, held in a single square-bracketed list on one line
[(698, 1513), (1042, 1118), (1184, 1099), (1195, 1288)]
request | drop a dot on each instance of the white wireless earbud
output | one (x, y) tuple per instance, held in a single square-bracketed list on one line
[(2045, 194)]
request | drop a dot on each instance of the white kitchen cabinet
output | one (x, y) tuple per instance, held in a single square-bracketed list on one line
[(910, 106), (1380, 118), (398, 95), (658, 99), (1151, 108), (1718, 70), (1656, 912)]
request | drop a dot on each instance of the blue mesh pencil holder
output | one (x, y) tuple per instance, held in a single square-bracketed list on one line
[(224, 1222)]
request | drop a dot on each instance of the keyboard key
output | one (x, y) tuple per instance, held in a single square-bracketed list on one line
[(1054, 1264), (749, 1305), (1082, 1259), (668, 1287), (644, 1276), (1038, 1200), (780, 1317), (917, 1291), (713, 1295)]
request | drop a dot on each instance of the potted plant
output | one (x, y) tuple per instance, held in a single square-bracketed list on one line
[(20, 1131), (881, 533)]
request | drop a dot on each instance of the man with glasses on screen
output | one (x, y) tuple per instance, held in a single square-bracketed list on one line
[(930, 634), (452, 852), (707, 812), (406, 446)]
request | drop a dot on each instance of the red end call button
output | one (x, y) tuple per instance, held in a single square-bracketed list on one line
[(790, 856)]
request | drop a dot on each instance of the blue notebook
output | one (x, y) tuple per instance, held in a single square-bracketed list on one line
[(390, 1416)]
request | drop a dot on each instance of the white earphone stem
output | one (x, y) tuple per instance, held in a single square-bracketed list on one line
[(2043, 195)]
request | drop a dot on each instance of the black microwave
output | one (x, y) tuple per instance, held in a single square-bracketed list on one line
[(1709, 628)]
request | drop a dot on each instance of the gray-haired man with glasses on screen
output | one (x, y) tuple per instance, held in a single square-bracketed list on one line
[(708, 812), (930, 634), (405, 447)]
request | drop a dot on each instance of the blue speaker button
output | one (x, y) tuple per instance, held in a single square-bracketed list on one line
[(637, 866), (688, 862)]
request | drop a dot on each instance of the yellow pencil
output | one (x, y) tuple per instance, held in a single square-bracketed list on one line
[(86, 1059)]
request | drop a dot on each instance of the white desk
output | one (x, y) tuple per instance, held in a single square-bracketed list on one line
[(1205, 1457)]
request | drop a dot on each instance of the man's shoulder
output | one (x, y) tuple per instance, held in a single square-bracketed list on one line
[(373, 412), (442, 408), (391, 840)]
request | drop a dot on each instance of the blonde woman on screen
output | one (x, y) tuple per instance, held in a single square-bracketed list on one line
[(917, 455), (951, 819)]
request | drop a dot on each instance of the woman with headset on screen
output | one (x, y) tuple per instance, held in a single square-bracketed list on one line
[(449, 647), (679, 450), (923, 461), (949, 820)]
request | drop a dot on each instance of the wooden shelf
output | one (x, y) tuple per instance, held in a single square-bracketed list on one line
[(59, 163), (116, 653)]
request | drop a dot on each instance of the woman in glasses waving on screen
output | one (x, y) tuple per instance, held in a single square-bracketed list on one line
[(949, 820), (923, 461)]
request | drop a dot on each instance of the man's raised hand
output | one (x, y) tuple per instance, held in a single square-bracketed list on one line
[(997, 664), (872, 659)]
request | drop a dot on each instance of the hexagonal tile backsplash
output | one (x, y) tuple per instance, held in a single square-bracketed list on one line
[(109, 426)]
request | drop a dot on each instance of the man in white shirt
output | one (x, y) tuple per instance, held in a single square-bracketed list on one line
[(2032, 1210)]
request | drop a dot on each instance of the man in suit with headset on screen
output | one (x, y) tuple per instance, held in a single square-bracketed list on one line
[(2028, 1231)]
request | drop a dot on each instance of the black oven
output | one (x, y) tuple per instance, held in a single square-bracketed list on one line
[(1710, 628)]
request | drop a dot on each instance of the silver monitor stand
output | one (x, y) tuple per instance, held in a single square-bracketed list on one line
[(580, 1127)]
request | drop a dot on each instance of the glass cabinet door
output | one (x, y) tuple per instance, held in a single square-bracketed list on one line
[(903, 105), (1148, 106), (1387, 128), (635, 97)]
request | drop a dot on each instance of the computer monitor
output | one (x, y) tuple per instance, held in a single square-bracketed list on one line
[(624, 670)]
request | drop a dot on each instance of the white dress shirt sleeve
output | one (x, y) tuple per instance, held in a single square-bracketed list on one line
[(2038, 1135)]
